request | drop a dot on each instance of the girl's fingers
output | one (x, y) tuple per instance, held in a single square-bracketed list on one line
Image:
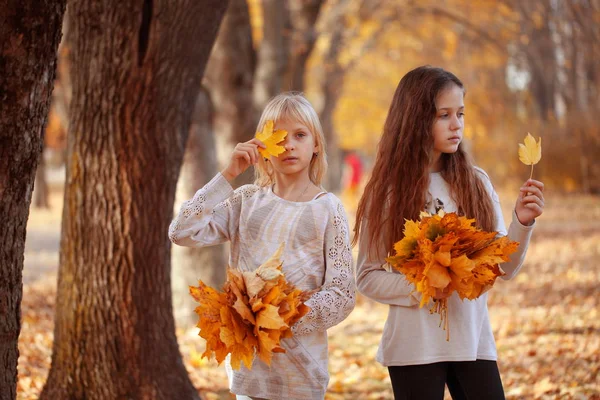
[(531, 190), (241, 153), (257, 154), (257, 142), (538, 184), (533, 200), (535, 207), (532, 183), (250, 150)]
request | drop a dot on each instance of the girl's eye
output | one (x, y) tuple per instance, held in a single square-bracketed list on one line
[(300, 135), (443, 115), (461, 114)]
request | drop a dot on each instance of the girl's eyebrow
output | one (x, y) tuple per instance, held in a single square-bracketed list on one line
[(450, 108), (301, 130)]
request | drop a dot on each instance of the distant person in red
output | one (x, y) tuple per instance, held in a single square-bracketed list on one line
[(353, 170)]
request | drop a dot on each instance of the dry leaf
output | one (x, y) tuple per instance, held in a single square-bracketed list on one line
[(447, 252), (254, 311), (530, 152), (271, 138)]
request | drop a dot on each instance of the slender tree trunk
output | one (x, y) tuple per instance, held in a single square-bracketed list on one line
[(29, 37), (331, 88), (332, 91), (190, 264), (137, 69), (303, 16), (273, 54), (41, 185), (229, 79)]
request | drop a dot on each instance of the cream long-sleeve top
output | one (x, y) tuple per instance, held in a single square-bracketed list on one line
[(317, 255), (412, 335)]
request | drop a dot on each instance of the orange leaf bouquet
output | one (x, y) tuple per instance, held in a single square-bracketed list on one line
[(254, 311), (446, 252)]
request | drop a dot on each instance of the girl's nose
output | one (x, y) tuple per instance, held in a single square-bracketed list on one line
[(288, 145), (455, 124)]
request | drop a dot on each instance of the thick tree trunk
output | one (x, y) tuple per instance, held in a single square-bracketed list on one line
[(29, 37), (229, 79), (191, 264), (137, 69)]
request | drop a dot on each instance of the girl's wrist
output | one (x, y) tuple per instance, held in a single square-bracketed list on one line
[(524, 223), (228, 175)]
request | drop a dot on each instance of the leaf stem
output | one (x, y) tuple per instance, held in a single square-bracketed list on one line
[(531, 175)]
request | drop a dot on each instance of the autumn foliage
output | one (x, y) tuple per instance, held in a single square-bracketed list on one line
[(251, 315), (446, 252), (271, 137)]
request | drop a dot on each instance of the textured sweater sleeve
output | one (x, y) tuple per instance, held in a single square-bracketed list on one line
[(336, 298), (375, 281), (211, 216), (516, 232)]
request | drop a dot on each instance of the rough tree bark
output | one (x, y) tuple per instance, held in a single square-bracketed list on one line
[(137, 68), (29, 38)]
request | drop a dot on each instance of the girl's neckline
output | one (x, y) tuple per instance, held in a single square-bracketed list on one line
[(317, 197)]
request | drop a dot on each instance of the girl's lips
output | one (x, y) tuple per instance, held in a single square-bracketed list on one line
[(290, 159)]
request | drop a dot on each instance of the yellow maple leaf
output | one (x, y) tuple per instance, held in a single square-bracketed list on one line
[(269, 318), (271, 269), (530, 152), (266, 344), (271, 138)]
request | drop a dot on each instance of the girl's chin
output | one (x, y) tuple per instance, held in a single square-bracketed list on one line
[(451, 149)]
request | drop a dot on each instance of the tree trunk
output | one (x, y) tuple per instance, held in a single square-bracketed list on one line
[(331, 88), (191, 264), (229, 78), (29, 37), (137, 69), (41, 185), (332, 91), (303, 16), (273, 53)]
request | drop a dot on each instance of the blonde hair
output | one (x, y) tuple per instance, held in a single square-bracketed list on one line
[(295, 107)]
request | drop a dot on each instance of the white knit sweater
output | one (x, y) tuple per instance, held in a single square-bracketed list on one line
[(317, 255), (412, 335)]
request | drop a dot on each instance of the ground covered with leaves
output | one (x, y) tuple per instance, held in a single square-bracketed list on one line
[(546, 321)]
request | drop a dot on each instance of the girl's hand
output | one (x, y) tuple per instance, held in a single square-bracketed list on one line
[(243, 156), (530, 203)]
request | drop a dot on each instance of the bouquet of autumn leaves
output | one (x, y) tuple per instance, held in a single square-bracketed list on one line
[(448, 253), (254, 311)]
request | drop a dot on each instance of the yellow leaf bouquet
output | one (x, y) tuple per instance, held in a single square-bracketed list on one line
[(251, 315), (447, 253)]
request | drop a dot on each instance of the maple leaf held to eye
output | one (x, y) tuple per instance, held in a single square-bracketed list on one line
[(530, 152), (271, 138)]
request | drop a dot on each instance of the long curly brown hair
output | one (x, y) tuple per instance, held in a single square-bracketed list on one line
[(397, 189)]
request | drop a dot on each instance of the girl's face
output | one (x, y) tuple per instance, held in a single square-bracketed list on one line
[(300, 145), (449, 121)]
